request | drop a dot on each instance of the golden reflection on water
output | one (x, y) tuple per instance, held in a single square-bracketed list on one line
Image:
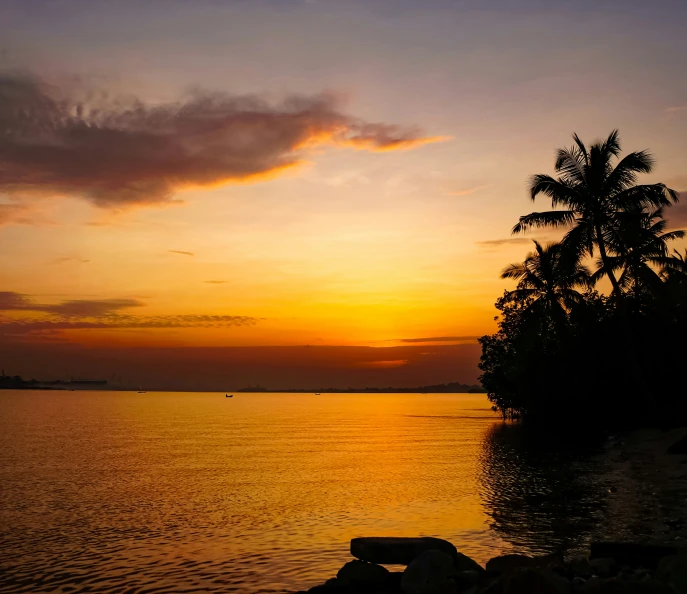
[(263, 491), (185, 492)]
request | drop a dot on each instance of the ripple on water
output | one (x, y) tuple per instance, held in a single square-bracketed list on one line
[(114, 492)]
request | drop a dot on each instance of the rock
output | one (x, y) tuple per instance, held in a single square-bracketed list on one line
[(360, 573), (673, 571), (508, 563), (603, 566), (679, 447), (468, 579), (329, 587), (580, 567), (535, 581), (504, 564), (633, 554), (401, 551), (465, 563), (578, 582), (428, 573)]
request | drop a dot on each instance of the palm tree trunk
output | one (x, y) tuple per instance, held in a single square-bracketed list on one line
[(604, 258)]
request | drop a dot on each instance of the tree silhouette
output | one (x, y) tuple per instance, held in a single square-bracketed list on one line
[(547, 282), (638, 243), (591, 194)]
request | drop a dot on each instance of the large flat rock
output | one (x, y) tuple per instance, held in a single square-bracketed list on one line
[(397, 550)]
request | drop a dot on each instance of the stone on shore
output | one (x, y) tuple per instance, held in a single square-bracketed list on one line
[(360, 573), (402, 551), (673, 571), (428, 573), (534, 581)]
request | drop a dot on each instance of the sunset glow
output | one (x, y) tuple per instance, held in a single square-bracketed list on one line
[(204, 188)]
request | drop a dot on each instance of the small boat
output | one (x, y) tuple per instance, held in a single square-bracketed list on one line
[(317, 393), (229, 395), (141, 390)]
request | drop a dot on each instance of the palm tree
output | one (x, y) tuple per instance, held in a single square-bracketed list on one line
[(591, 193), (674, 267), (637, 243), (547, 282)]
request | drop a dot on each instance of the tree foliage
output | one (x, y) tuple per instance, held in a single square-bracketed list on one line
[(565, 351)]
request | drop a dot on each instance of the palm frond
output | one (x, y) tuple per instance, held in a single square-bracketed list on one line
[(553, 218)]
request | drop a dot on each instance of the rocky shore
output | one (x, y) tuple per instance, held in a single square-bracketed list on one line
[(435, 566)]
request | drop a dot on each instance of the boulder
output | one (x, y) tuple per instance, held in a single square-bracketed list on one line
[(397, 550), (360, 573), (679, 447), (579, 567), (429, 573), (534, 581), (633, 554), (508, 563), (673, 571), (603, 566), (401, 551)]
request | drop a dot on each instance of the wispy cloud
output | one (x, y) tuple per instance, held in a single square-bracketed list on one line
[(453, 339), (21, 213), (117, 152), (83, 314), (466, 191), (497, 243), (66, 259), (676, 108), (11, 301), (390, 364), (183, 253), (215, 282)]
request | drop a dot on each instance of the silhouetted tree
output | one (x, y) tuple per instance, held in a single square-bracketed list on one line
[(581, 357), (638, 243), (547, 284), (591, 194)]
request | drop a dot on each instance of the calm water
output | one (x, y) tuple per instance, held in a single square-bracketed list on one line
[(181, 492)]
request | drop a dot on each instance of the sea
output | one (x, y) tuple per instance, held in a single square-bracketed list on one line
[(196, 492)]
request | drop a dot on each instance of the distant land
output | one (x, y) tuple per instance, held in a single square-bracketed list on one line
[(15, 382), (450, 388)]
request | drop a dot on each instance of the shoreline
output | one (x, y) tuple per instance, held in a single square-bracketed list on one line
[(435, 566)]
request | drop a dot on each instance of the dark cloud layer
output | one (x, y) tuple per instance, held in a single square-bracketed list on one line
[(10, 301), (456, 339), (496, 243), (80, 314), (115, 152)]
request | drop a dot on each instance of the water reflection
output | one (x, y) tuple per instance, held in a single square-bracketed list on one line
[(541, 494)]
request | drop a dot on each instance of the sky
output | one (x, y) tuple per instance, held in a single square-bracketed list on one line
[(298, 193)]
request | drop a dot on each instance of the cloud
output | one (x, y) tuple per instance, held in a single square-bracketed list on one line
[(182, 252), (20, 213), (454, 339), (80, 314), (10, 301), (215, 282), (466, 191), (496, 243), (676, 109), (8, 326), (65, 260), (390, 364), (118, 152)]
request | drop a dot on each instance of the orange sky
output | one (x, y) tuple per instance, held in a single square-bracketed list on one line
[(245, 176)]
